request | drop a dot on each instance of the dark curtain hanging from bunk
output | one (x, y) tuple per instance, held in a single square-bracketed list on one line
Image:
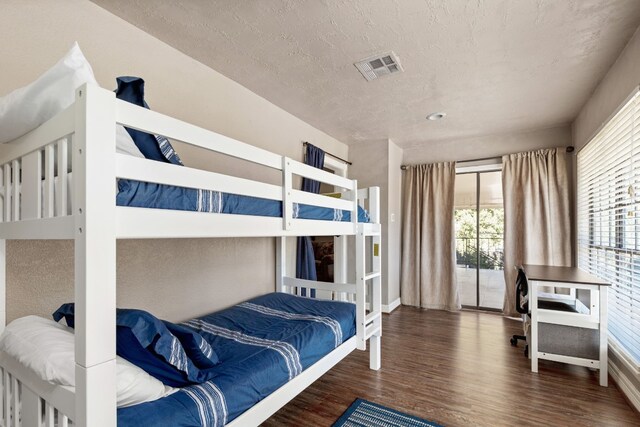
[(305, 258)]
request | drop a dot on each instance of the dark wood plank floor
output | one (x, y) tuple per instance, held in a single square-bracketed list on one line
[(458, 369)]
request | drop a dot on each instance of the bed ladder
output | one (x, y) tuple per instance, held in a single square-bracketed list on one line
[(369, 325)]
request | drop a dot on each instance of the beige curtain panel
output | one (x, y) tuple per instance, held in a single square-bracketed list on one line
[(428, 237), (537, 222)]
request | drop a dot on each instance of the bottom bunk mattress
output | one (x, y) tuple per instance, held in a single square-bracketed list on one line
[(262, 344), (159, 196)]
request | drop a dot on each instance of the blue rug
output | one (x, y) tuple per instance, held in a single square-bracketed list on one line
[(363, 413)]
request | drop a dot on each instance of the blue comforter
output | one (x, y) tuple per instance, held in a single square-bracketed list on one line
[(262, 344), (160, 196)]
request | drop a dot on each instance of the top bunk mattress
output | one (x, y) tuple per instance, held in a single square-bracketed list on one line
[(159, 196), (262, 344)]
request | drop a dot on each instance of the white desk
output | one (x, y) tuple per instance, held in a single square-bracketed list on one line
[(571, 278)]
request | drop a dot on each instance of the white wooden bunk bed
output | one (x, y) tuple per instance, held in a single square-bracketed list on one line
[(33, 182)]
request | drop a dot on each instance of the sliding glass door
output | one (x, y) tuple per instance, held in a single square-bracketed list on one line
[(479, 217)]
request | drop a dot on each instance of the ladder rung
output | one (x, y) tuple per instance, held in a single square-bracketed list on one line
[(371, 317), (372, 275)]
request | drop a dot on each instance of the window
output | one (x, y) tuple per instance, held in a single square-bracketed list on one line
[(609, 218)]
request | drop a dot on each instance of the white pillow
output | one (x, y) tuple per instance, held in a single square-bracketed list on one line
[(47, 348), (125, 144), (26, 108), (135, 386), (42, 345)]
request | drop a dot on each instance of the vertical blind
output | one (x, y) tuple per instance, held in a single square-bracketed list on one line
[(609, 218)]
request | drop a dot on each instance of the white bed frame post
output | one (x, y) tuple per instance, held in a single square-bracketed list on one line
[(340, 253), (375, 358), (369, 326), (287, 187), (340, 264), (361, 287), (95, 256), (281, 263)]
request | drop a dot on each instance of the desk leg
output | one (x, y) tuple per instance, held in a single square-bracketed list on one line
[(533, 307), (604, 344)]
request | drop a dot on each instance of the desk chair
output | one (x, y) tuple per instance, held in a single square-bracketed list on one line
[(522, 306)]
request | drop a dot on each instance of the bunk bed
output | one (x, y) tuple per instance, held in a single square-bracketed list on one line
[(41, 201)]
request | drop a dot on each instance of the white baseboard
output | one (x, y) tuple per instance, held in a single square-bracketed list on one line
[(390, 307), (386, 308), (625, 384)]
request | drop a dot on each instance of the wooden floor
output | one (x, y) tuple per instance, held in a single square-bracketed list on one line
[(458, 369)]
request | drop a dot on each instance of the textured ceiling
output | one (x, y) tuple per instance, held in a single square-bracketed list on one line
[(492, 66)]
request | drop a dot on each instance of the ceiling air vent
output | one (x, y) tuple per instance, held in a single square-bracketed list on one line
[(379, 65)]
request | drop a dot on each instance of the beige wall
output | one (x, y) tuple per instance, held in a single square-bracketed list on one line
[(395, 221), (487, 146), (370, 167), (160, 275), (377, 163), (622, 78)]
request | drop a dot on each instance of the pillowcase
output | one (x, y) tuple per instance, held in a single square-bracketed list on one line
[(47, 348), (28, 107), (154, 147), (197, 348), (146, 342)]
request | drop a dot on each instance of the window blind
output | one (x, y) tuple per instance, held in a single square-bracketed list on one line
[(609, 218)]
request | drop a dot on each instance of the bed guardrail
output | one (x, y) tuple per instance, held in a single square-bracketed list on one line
[(36, 170), (51, 406), (35, 181), (143, 170)]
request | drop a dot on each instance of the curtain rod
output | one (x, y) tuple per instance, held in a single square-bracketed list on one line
[(569, 150), (332, 155)]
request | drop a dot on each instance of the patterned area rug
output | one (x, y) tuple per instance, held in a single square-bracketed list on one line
[(363, 413)]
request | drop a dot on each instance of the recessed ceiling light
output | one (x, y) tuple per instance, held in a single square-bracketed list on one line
[(436, 116)]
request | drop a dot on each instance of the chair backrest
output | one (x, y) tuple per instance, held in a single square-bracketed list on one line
[(522, 290)]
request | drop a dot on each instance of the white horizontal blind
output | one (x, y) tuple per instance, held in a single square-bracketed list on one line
[(609, 218)]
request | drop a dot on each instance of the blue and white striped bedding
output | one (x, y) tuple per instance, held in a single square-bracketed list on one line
[(160, 196), (262, 344)]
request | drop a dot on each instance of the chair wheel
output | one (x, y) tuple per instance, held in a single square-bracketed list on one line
[(514, 342)]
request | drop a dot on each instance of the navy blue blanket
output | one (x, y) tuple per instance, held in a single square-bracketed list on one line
[(262, 344), (160, 196)]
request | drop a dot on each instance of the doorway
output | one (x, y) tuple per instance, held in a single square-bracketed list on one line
[(479, 225)]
